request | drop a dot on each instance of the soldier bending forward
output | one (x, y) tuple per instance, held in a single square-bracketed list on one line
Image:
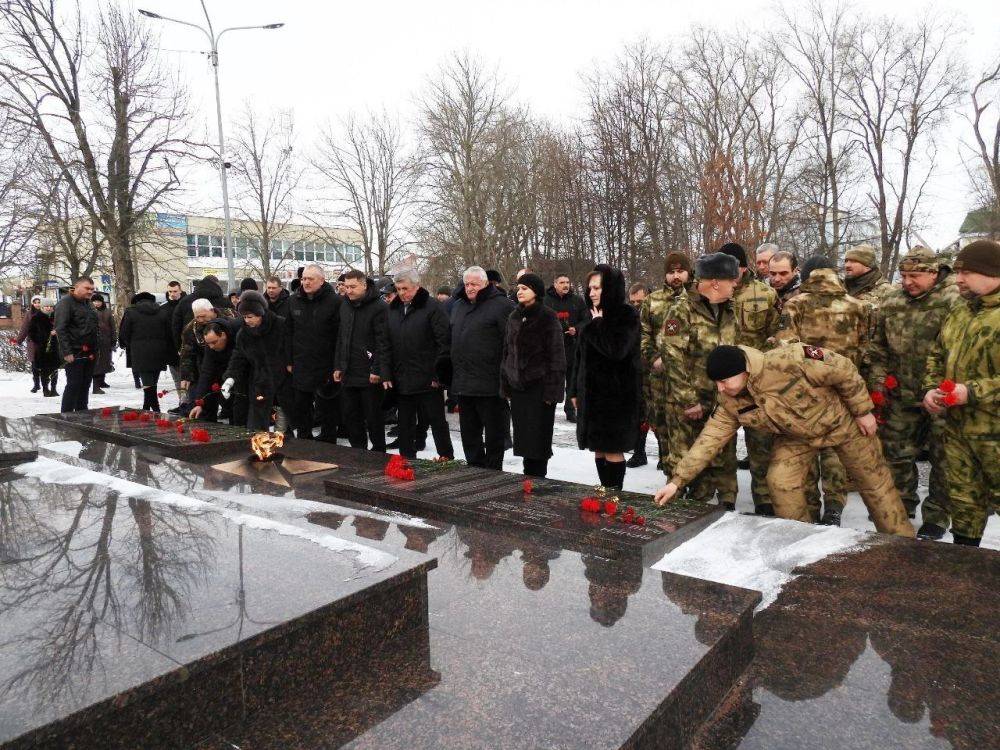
[(812, 399)]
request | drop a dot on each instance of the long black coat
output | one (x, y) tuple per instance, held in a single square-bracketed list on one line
[(262, 355), (363, 343), (145, 333), (280, 305), (533, 352), (572, 313), (213, 364), (45, 347), (106, 341), (204, 289), (477, 333), (608, 378), (313, 325), (420, 342), (76, 325)]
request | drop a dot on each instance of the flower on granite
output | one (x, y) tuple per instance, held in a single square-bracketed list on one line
[(130, 416), (200, 435), (399, 468), (590, 505), (640, 521), (611, 507), (527, 486), (891, 382), (878, 398), (145, 416), (164, 424), (106, 412)]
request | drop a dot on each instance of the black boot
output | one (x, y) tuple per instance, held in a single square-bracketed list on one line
[(728, 506), (615, 472), (831, 517), (764, 509), (930, 531), (602, 471), (97, 389), (570, 412), (967, 541)]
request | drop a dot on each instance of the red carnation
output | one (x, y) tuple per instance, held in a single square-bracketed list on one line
[(106, 411), (946, 386), (527, 486), (200, 435), (590, 505), (216, 387), (180, 428), (611, 507), (640, 521), (129, 416), (891, 382), (878, 398), (950, 399), (563, 315), (629, 514), (163, 424)]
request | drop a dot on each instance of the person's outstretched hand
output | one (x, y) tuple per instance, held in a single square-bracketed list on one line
[(665, 494)]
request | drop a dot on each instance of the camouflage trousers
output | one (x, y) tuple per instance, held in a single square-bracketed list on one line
[(759, 444), (903, 435), (861, 456), (972, 468), (720, 476), (828, 468)]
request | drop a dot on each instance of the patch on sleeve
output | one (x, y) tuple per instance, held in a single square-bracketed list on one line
[(672, 327), (813, 352)]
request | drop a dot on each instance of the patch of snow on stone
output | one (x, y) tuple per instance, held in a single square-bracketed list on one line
[(757, 553)]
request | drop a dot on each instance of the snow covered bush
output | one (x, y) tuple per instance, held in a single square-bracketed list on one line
[(13, 358)]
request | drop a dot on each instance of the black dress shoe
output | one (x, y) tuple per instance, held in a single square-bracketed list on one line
[(36, 389), (930, 531), (638, 459), (764, 509)]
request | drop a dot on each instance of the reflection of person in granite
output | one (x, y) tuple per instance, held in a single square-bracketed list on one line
[(535, 558), (484, 551), (699, 599), (611, 584), (419, 539), (370, 528)]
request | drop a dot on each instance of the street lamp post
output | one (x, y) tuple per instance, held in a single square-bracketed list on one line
[(213, 41)]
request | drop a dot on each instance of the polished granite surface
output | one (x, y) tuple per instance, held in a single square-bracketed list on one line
[(111, 591), (534, 645), (896, 645)]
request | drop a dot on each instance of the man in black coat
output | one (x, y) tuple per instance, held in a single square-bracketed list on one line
[(145, 333), (363, 360), (420, 336), (261, 355), (219, 337), (277, 296), (572, 312), (478, 326), (313, 324), (208, 288), (77, 335), (174, 296)]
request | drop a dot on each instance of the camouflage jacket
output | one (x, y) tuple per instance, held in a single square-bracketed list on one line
[(789, 292), (691, 330), (756, 306), (824, 315), (801, 391), (869, 287), (968, 351), (651, 321), (905, 331)]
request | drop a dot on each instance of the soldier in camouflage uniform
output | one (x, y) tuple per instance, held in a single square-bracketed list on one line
[(823, 315), (677, 270), (756, 306), (907, 327), (811, 399), (967, 356), (697, 321), (862, 276)]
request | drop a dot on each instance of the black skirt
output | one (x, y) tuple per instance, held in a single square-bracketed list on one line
[(533, 420)]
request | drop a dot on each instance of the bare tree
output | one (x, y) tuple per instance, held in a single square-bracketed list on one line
[(109, 116), (985, 97), (374, 178), (267, 175), (16, 225), (904, 83)]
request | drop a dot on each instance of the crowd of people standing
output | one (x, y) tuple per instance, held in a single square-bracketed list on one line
[(863, 364)]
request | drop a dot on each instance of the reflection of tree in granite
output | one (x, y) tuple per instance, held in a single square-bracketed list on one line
[(370, 528), (483, 551), (612, 582), (535, 558), (419, 539), (700, 599), (79, 579)]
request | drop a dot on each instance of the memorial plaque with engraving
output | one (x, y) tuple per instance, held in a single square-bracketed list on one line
[(551, 510)]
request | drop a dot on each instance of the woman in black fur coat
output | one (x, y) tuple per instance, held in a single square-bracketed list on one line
[(608, 377), (532, 373)]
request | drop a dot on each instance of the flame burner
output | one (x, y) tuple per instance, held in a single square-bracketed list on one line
[(264, 462), (263, 445)]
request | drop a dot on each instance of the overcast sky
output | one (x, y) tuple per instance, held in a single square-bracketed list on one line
[(334, 57)]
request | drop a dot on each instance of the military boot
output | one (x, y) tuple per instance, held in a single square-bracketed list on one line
[(966, 541), (831, 517), (930, 531)]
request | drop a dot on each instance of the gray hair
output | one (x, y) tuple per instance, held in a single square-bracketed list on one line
[(317, 268), (200, 305), (475, 271), (409, 276), (767, 247)]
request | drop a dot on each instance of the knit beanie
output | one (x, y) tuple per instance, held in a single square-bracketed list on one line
[(534, 282), (716, 266), (919, 258), (737, 251), (677, 259), (252, 303), (725, 361), (981, 256), (863, 254), (248, 283)]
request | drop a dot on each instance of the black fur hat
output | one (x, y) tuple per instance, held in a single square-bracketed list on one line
[(812, 263), (716, 266), (737, 251), (253, 303)]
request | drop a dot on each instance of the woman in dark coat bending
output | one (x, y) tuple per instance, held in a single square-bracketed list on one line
[(532, 373), (608, 377), (41, 333)]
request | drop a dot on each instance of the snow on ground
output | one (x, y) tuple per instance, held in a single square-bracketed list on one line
[(568, 462)]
